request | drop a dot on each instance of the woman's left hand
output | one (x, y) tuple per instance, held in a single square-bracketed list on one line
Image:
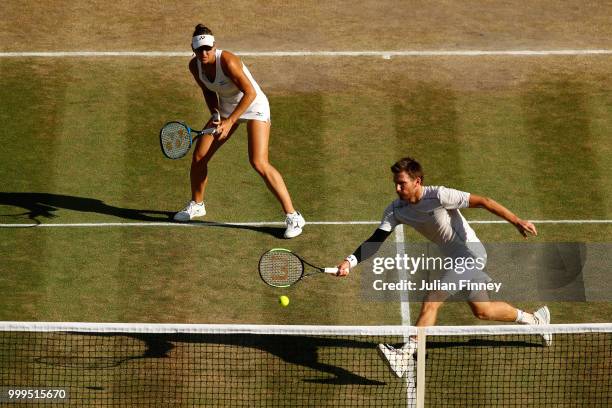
[(224, 126)]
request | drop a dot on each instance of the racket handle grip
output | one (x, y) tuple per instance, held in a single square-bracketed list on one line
[(330, 270)]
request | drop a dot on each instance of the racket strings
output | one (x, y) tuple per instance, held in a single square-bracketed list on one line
[(175, 140), (280, 268)]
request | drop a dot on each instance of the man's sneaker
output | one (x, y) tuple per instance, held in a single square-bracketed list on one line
[(398, 360), (542, 316), (295, 222), (191, 211)]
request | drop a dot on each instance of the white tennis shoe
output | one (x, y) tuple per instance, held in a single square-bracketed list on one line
[(295, 222), (542, 316), (191, 211), (397, 360)]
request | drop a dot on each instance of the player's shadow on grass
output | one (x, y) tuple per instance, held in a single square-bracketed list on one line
[(293, 350), (38, 206), (45, 205), (276, 232)]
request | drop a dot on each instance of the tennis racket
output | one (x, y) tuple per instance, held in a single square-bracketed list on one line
[(282, 268), (176, 138)]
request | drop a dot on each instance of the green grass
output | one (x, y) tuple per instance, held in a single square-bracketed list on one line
[(87, 152), (85, 149)]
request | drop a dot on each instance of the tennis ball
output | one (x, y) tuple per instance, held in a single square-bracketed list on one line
[(283, 300)]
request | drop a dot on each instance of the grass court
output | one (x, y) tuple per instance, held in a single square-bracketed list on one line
[(80, 145)]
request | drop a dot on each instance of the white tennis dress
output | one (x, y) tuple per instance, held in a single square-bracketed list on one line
[(230, 95)]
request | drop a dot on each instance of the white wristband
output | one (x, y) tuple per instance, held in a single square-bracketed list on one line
[(352, 260)]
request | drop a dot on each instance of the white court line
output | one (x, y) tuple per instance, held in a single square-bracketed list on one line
[(260, 223), (384, 54), (400, 249), (400, 245)]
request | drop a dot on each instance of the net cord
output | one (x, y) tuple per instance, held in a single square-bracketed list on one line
[(300, 329)]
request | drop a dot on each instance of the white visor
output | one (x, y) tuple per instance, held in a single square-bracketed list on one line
[(202, 40)]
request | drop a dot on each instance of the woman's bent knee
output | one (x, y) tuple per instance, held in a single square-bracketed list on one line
[(260, 167)]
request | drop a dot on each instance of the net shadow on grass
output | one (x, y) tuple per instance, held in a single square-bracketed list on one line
[(293, 350)]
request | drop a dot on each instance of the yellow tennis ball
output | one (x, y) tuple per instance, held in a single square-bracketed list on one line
[(283, 300)]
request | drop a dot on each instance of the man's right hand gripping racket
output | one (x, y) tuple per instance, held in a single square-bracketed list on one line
[(176, 138), (282, 268)]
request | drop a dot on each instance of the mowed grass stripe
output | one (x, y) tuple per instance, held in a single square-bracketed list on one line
[(557, 117), (361, 151), (93, 122), (359, 148), (299, 125), (28, 135), (495, 152), (29, 117), (297, 138), (599, 109), (557, 114), (426, 128), (153, 266)]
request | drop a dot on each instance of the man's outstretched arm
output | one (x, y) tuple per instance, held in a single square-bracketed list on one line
[(525, 228), (368, 248)]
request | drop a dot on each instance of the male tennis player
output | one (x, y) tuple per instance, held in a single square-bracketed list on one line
[(230, 89), (433, 211)]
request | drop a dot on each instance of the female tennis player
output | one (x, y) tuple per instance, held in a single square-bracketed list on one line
[(229, 88)]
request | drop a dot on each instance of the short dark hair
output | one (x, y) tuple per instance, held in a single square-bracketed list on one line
[(201, 29), (410, 167)]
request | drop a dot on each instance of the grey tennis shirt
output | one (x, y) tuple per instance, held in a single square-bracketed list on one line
[(437, 217)]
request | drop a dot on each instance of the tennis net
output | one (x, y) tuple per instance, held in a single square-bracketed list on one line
[(268, 366)]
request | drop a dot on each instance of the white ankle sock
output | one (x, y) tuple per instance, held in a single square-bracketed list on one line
[(524, 317)]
